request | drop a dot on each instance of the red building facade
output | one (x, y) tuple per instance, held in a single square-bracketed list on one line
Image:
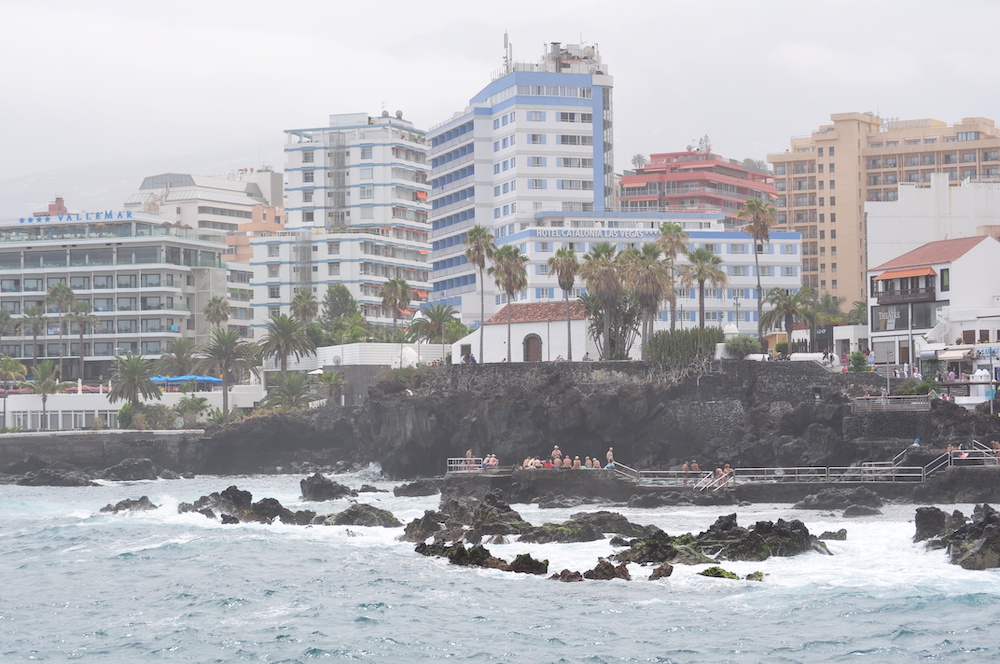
[(694, 182)]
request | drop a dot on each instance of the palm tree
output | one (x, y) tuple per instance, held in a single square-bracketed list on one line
[(395, 296), (62, 296), (35, 320), (647, 277), (673, 243), (130, 378), (228, 355), (11, 371), (216, 310), (703, 266), (787, 307), (285, 337), (565, 266), (45, 382), (81, 314), (638, 160), (510, 274), (6, 322), (828, 308), (481, 248), (434, 323), (333, 381), (760, 215), (179, 359), (858, 315), (600, 271), (293, 391), (190, 407), (304, 306)]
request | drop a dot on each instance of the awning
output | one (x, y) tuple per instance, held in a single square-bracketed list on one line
[(952, 355), (420, 292), (421, 195), (902, 274)]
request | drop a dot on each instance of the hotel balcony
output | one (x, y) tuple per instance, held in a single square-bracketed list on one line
[(922, 294)]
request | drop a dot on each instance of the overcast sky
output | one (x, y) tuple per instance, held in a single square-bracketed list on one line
[(99, 94)]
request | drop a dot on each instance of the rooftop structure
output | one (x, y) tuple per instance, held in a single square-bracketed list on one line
[(694, 181)]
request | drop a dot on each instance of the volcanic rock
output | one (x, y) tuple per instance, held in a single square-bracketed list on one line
[(418, 488), (840, 535), (976, 544), (423, 527), (128, 505), (569, 531), (320, 488), (368, 488), (861, 510), (606, 571), (525, 564), (55, 477), (834, 499), (567, 576), (363, 515), (131, 470), (663, 571)]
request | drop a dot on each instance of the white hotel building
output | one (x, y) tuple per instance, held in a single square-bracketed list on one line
[(780, 260), (356, 204), (537, 138), (146, 280)]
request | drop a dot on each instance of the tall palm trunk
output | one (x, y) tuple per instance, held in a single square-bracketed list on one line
[(569, 330), (81, 352), (225, 395), (508, 331), (760, 298), (701, 304), (60, 345), (482, 312)]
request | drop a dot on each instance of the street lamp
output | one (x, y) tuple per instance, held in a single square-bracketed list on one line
[(736, 303)]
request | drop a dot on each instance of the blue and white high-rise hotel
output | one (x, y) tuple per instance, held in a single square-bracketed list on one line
[(537, 138)]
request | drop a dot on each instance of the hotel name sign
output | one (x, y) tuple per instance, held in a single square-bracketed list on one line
[(598, 233), (105, 215)]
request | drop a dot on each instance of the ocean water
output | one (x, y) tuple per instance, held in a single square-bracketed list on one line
[(77, 585)]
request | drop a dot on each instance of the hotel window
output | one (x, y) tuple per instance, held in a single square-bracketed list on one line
[(819, 152), (366, 153), (366, 192), (536, 116), (945, 280), (272, 271), (536, 139), (274, 292), (307, 196), (992, 155), (968, 157), (968, 173), (366, 173), (950, 159), (536, 161), (308, 176), (930, 159), (831, 153), (536, 184), (968, 135), (833, 220), (779, 170), (81, 283), (308, 216), (272, 250), (913, 161), (333, 269), (307, 157)]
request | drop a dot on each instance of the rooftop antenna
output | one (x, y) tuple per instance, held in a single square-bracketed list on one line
[(508, 54)]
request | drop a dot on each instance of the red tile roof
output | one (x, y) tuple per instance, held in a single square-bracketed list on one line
[(942, 251), (538, 312)]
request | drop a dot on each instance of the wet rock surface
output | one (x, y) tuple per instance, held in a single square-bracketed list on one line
[(319, 488), (131, 470), (418, 488), (972, 543), (142, 504), (56, 477), (834, 499), (479, 556), (363, 515), (234, 505)]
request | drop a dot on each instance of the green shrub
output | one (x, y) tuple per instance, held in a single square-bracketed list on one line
[(739, 347), (781, 347), (857, 361), (682, 347)]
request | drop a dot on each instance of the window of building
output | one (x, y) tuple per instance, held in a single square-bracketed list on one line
[(833, 200), (831, 150), (333, 269), (366, 192), (536, 184), (308, 156), (126, 281), (536, 116), (779, 169), (833, 235), (536, 139), (272, 271), (272, 250), (968, 157), (308, 176), (332, 248), (82, 283), (831, 168), (968, 135), (366, 153), (945, 280), (366, 173), (274, 292)]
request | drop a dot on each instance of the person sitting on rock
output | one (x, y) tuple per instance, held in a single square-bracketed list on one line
[(576, 464), (567, 462), (556, 453), (594, 463)]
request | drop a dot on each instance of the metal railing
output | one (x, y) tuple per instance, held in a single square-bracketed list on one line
[(876, 403)]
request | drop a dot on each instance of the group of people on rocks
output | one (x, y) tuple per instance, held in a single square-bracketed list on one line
[(557, 460)]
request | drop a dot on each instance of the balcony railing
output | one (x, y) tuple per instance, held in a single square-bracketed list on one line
[(923, 294)]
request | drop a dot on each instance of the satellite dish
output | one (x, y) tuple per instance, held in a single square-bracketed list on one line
[(399, 115), (385, 114), (336, 360)]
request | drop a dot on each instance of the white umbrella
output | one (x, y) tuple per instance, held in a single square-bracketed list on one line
[(316, 372)]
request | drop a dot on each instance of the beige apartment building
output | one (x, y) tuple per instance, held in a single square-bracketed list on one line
[(824, 180)]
